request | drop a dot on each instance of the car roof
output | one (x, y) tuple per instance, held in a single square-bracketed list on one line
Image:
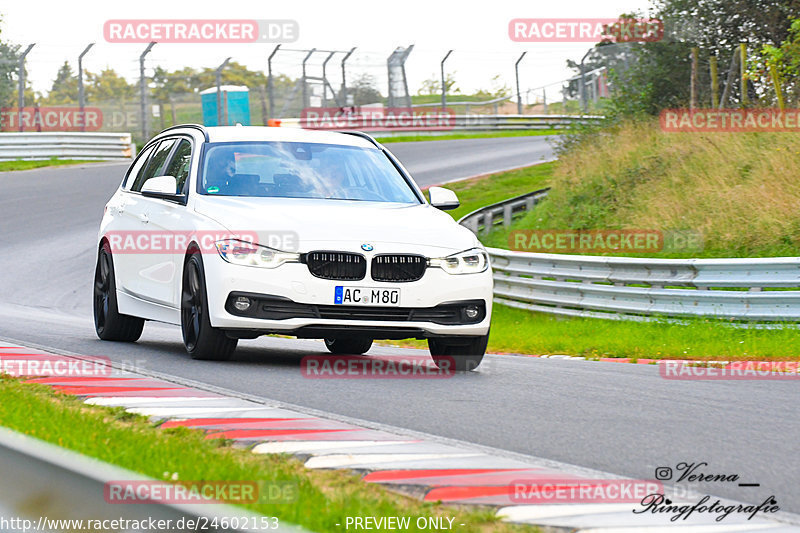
[(285, 134)]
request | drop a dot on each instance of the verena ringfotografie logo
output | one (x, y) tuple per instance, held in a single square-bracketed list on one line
[(585, 30), (391, 367), (200, 31), (729, 120), (50, 119), (177, 242), (553, 491), (736, 370), (392, 118)]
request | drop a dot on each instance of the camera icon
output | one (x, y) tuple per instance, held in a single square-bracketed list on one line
[(663, 473)]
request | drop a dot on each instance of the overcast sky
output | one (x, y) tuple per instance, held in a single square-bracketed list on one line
[(478, 32)]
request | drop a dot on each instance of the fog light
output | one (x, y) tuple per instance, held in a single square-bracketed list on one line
[(242, 303), (472, 312)]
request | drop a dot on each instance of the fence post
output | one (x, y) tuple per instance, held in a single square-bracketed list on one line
[(729, 81), (743, 70), (712, 63), (693, 79), (444, 81), (516, 73), (21, 75), (81, 99), (143, 94), (271, 84), (777, 83)]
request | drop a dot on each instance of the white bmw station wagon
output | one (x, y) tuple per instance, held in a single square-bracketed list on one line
[(236, 232)]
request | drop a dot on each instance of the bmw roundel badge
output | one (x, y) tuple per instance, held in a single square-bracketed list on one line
[(367, 247)]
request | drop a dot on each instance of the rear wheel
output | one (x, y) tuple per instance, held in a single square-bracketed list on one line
[(349, 346), (200, 339), (109, 324), (461, 354)]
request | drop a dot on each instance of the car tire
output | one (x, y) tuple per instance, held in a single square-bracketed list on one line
[(351, 346), (466, 353), (202, 341), (109, 324)]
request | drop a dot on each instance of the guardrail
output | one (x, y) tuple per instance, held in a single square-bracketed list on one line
[(765, 290), (42, 481), (463, 123), (501, 213), (66, 145)]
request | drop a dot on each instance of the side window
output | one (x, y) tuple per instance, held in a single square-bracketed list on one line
[(156, 165), (179, 164), (138, 166)]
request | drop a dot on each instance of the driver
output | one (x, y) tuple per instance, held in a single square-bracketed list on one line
[(221, 168)]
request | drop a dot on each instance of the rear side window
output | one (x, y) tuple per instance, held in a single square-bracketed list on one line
[(179, 164), (138, 167), (156, 165)]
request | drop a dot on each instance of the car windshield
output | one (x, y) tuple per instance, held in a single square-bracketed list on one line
[(302, 170)]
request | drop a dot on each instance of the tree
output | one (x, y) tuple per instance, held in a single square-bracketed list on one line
[(497, 90), (108, 86), (433, 85), (65, 87), (9, 56), (783, 62), (657, 74), (364, 90)]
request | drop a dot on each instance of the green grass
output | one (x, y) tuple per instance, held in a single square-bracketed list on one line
[(518, 331), (134, 442), (480, 135), (19, 164), (477, 192), (521, 331)]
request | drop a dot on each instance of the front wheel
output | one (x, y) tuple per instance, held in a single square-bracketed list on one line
[(109, 324), (461, 354), (201, 340), (352, 346)]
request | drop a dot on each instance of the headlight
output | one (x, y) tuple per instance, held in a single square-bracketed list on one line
[(249, 254), (468, 262)]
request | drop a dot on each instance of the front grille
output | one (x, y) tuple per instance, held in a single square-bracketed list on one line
[(398, 267), (279, 308), (336, 265)]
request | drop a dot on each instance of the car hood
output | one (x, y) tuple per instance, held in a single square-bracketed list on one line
[(345, 224)]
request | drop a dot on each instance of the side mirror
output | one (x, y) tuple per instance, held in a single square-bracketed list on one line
[(442, 198), (161, 187)]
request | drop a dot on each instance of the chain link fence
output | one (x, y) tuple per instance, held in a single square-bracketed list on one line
[(147, 90)]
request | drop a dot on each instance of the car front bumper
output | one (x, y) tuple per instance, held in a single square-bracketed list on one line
[(293, 283)]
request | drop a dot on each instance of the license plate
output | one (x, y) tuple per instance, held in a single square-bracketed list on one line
[(365, 296)]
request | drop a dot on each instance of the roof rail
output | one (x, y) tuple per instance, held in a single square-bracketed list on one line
[(363, 135), (195, 126)]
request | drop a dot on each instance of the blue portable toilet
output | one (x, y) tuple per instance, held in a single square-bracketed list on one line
[(235, 103)]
